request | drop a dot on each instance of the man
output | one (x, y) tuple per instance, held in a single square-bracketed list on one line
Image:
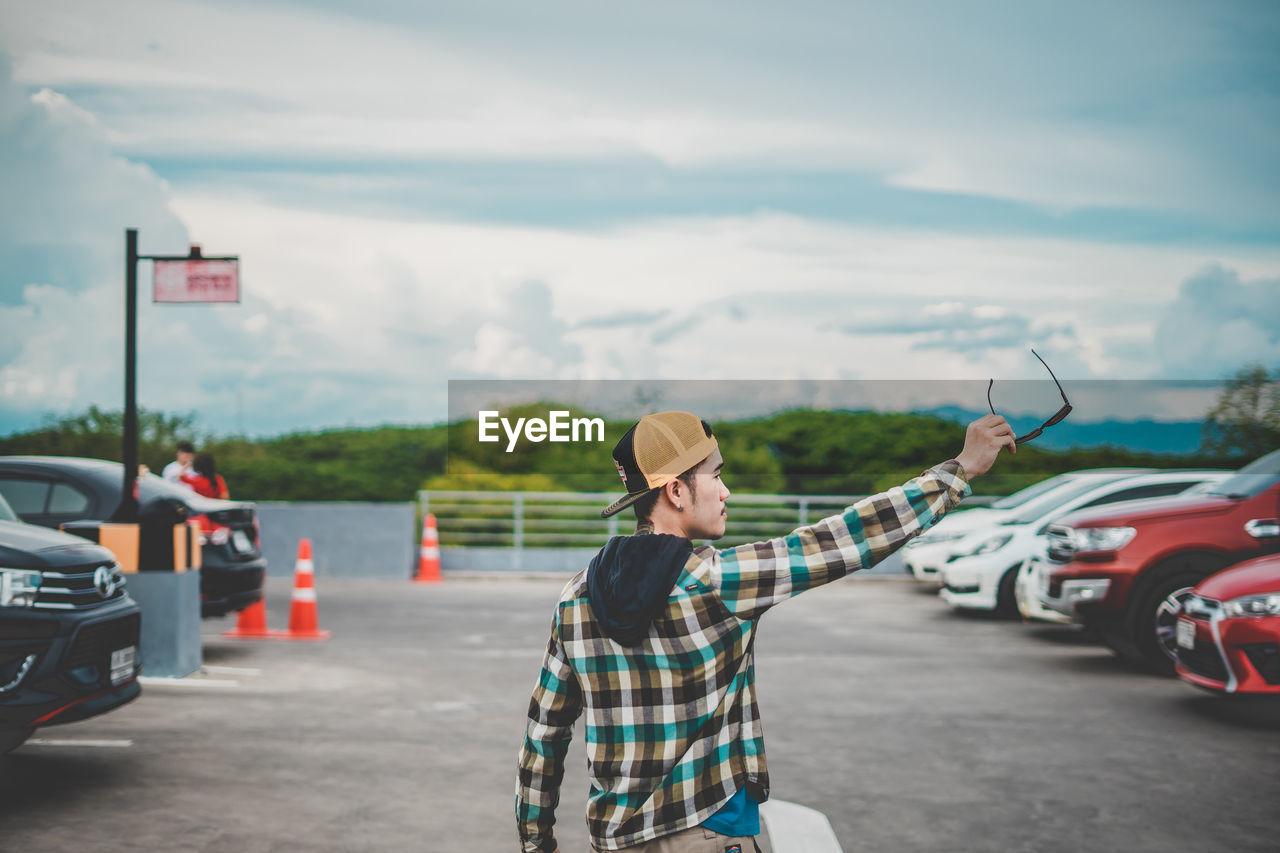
[(181, 466), (654, 642)]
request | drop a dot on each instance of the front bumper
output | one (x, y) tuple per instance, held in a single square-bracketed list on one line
[(1067, 595), (1032, 577), (71, 676), (1231, 655), (973, 583), (925, 560)]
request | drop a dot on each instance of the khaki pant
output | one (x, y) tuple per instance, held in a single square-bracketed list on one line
[(694, 840)]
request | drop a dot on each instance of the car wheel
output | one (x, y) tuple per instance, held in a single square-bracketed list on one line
[(11, 739), (1153, 621), (1006, 600)]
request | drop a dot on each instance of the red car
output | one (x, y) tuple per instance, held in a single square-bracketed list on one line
[(1125, 571), (1228, 636)]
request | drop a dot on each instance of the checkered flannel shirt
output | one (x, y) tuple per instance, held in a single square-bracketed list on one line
[(672, 726)]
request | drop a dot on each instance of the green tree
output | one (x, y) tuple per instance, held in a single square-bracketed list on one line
[(99, 434), (1245, 421)]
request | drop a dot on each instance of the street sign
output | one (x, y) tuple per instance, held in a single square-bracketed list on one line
[(197, 280)]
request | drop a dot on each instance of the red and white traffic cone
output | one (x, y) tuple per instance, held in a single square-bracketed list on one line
[(303, 620), (251, 624), (429, 553)]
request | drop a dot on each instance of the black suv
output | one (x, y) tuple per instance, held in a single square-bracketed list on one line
[(53, 490), (68, 630)]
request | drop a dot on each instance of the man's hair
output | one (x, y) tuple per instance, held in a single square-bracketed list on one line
[(643, 507), (186, 447)]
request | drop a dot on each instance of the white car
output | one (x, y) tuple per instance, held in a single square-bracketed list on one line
[(927, 553), (983, 568)]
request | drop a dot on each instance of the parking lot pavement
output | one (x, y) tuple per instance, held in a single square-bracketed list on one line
[(911, 728)]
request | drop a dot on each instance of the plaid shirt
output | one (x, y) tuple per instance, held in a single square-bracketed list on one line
[(672, 726)]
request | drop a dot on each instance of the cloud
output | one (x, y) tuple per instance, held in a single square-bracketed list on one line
[(1218, 323), (971, 331), (523, 339), (1038, 104), (68, 197)]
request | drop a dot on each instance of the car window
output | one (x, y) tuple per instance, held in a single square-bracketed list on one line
[(6, 511), (1253, 479), (1154, 490), (66, 499), (27, 497)]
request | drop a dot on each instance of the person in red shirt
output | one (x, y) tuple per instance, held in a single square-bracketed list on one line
[(205, 480)]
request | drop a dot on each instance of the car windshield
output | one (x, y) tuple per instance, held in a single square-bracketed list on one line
[(1036, 510), (1031, 492), (6, 511), (1253, 479)]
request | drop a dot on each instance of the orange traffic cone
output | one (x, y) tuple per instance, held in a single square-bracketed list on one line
[(429, 553), (251, 624), (303, 623)]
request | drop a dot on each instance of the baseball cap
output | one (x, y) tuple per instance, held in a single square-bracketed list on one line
[(656, 450)]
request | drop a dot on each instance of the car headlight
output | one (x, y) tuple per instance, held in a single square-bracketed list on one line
[(986, 546), (1087, 539), (1253, 605), (18, 587)]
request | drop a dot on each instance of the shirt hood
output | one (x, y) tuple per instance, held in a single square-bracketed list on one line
[(629, 581)]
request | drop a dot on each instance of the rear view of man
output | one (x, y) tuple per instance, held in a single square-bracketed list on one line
[(653, 642)]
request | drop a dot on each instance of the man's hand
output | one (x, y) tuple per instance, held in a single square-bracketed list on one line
[(982, 442)]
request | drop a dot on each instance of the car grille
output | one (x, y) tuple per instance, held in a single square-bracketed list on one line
[(1204, 660), (961, 588), (95, 642), (79, 590)]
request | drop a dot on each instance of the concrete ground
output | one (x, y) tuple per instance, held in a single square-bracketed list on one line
[(912, 728)]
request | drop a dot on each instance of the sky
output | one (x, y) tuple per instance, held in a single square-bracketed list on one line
[(421, 193)]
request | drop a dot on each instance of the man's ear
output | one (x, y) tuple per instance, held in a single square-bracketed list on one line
[(672, 489)]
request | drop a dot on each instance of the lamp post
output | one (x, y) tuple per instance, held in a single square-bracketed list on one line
[(187, 278)]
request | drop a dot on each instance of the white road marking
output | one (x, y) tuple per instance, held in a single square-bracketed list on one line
[(96, 744), (230, 670), (794, 828), (198, 683)]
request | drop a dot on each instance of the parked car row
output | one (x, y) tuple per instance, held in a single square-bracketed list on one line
[(69, 632), (1174, 570)]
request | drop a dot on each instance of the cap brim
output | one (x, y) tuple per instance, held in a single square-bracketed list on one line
[(622, 503)]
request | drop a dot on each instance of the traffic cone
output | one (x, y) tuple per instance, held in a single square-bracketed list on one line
[(303, 624), (429, 553), (251, 624)]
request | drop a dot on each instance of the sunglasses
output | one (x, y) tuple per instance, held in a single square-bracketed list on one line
[(1058, 416)]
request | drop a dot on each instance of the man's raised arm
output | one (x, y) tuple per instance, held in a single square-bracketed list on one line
[(752, 578)]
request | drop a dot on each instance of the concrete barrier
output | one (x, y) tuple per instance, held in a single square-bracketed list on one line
[(348, 539)]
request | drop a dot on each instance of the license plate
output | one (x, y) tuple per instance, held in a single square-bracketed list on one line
[(241, 542), (122, 664), (1186, 634)]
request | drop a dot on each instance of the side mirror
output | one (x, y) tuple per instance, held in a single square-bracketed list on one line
[(1263, 528)]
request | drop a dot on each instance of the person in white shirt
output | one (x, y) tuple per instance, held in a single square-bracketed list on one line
[(175, 471)]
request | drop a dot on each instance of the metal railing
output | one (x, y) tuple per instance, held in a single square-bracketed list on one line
[(572, 519)]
